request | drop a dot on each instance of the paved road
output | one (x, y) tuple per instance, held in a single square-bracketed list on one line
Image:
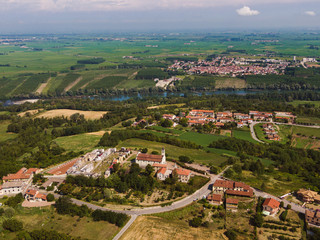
[(125, 228), (253, 134)]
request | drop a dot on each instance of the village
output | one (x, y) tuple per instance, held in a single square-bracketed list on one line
[(222, 192), (232, 66)]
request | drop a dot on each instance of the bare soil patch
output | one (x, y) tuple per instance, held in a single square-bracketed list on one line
[(71, 85), (231, 83), (92, 115), (42, 86), (100, 133)]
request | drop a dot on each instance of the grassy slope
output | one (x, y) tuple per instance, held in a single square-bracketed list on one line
[(48, 219), (81, 142), (3, 132), (199, 156)]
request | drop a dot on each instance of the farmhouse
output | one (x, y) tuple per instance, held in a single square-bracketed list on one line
[(183, 174), (169, 116), (34, 196), (10, 188), (313, 217), (23, 174), (215, 199), (144, 159), (232, 188), (270, 206)]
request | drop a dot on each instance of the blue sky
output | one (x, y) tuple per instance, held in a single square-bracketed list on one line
[(81, 16)]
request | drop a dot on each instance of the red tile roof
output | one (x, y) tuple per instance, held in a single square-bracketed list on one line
[(31, 192), (232, 201), (240, 193), (23, 173), (223, 183), (162, 171), (270, 202), (214, 197), (184, 172), (149, 157)]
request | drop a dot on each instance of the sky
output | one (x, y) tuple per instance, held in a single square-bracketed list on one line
[(94, 16)]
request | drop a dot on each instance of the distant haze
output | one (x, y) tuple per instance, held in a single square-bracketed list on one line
[(79, 16)]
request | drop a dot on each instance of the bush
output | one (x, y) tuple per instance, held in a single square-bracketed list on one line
[(50, 197), (12, 225), (283, 215), (195, 222), (9, 212)]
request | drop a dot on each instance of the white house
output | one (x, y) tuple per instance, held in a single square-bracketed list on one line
[(144, 159), (163, 174), (10, 188)]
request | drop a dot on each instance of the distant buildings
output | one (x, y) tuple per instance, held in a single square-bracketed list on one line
[(215, 199), (232, 204)]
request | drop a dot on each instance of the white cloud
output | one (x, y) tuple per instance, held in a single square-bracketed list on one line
[(247, 11), (310, 13)]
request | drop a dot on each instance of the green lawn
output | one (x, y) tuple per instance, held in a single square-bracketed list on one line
[(199, 156), (80, 142), (3, 132)]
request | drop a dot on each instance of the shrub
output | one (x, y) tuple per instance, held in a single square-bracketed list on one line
[(50, 197), (12, 225), (195, 222)]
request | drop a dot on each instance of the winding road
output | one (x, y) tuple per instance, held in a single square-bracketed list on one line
[(204, 191)]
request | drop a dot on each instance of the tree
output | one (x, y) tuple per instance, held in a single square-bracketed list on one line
[(166, 123), (281, 204), (9, 212), (144, 150), (149, 169), (1, 211), (184, 122), (288, 206), (50, 197), (184, 159), (229, 173), (12, 225), (258, 220)]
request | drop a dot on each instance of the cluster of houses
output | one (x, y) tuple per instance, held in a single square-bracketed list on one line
[(228, 188), (160, 165), (270, 132), (201, 117), (17, 182), (232, 66)]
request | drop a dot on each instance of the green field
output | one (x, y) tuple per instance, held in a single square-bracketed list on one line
[(3, 132), (198, 156), (82, 142), (47, 55), (244, 135), (47, 219), (199, 138)]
